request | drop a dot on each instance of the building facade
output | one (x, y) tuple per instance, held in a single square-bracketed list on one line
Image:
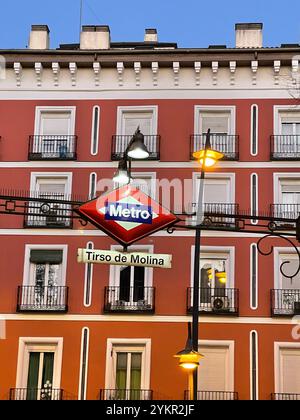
[(74, 331)]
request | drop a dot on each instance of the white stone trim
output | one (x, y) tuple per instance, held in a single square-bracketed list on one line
[(50, 175), (217, 108), (121, 110), (254, 397), (97, 130), (39, 110), (81, 362), (278, 177)]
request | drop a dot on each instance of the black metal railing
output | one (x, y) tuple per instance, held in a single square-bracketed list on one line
[(42, 299), (126, 394), (285, 397), (43, 394), (213, 396), (217, 301), (285, 147), (285, 302), (120, 144), (286, 211), (52, 147), (224, 143), (51, 215), (132, 299), (218, 213)]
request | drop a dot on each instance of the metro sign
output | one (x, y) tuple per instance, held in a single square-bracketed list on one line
[(127, 214)]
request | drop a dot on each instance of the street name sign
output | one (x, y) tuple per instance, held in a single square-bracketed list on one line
[(127, 214), (137, 259)]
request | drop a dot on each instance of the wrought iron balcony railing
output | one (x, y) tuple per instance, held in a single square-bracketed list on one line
[(52, 147), (285, 147), (51, 215), (285, 211), (133, 299), (42, 299), (285, 302), (120, 144), (285, 397), (43, 394), (218, 214), (213, 396), (215, 301), (224, 143), (126, 394)]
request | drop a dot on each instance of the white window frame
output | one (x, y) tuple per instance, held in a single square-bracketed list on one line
[(39, 344), (149, 175), (114, 273), (52, 176), (128, 345), (228, 177), (28, 271), (277, 362), (40, 110), (230, 361), (213, 252), (278, 180), (282, 253), (277, 128), (136, 110), (199, 109)]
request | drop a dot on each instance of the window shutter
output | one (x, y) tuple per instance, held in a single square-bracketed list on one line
[(290, 370), (218, 122), (42, 256), (290, 117), (55, 124), (144, 184), (214, 369), (215, 192), (132, 122)]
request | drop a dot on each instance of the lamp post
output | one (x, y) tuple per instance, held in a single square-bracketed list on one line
[(207, 158), (136, 149)]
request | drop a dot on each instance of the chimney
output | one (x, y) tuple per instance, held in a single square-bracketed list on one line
[(95, 37), (39, 37), (151, 35), (249, 35)]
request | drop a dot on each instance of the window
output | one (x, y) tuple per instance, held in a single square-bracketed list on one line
[(54, 133), (128, 370), (290, 267), (130, 118), (44, 279), (287, 132), (221, 122), (287, 195), (50, 215), (146, 182), (217, 367), (131, 287), (128, 121), (287, 368), (218, 196), (39, 369)]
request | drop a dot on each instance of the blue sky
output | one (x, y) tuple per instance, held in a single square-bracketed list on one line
[(190, 23)]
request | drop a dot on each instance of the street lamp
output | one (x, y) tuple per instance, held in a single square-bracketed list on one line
[(207, 158), (136, 149)]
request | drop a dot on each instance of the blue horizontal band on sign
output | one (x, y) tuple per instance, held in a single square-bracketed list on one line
[(125, 212)]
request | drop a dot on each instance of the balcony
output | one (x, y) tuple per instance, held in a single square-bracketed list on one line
[(126, 394), (224, 143), (285, 397), (52, 148), (219, 301), (120, 144), (218, 214), (34, 394), (42, 299), (285, 302), (133, 299), (213, 396), (286, 211), (286, 147), (50, 214)]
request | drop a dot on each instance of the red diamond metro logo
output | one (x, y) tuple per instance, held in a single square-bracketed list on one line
[(127, 215)]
